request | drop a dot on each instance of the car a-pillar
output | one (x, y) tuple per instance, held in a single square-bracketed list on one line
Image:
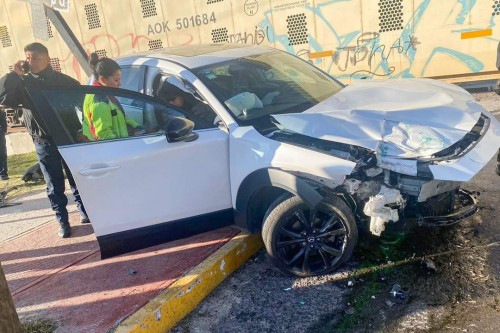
[(305, 231)]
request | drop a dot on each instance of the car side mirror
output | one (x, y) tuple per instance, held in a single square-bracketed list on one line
[(180, 130)]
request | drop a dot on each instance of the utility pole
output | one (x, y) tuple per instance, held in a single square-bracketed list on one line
[(9, 321)]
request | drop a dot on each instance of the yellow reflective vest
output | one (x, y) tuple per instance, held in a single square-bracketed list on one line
[(103, 119)]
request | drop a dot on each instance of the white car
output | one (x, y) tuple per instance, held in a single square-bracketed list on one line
[(278, 146)]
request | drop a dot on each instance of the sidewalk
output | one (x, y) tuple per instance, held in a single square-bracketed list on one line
[(149, 290)]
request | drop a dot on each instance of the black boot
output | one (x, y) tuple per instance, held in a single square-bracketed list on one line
[(64, 230), (498, 162)]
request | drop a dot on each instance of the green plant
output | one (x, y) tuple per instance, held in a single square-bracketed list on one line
[(39, 326), (18, 164)]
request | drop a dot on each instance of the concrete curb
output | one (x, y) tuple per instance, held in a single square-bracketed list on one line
[(179, 299)]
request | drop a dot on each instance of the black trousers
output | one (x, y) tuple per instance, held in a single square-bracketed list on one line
[(52, 166), (3, 155)]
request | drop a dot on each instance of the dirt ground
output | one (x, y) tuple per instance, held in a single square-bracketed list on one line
[(448, 281)]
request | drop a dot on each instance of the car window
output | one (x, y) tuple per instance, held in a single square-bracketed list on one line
[(105, 117), (132, 79), (180, 93), (257, 86)]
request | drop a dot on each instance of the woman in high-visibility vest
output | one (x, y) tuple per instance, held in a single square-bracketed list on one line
[(103, 115)]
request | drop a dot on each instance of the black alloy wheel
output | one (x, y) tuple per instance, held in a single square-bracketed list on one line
[(302, 241)]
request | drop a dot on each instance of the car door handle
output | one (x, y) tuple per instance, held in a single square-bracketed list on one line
[(98, 170)]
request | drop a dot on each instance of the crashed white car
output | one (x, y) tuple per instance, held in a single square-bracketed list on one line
[(270, 143)]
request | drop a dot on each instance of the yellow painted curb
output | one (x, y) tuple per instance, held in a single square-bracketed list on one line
[(179, 299)]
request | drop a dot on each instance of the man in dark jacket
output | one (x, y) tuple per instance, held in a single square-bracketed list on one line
[(3, 146), (36, 71)]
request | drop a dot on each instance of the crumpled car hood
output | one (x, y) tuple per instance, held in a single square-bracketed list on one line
[(403, 118)]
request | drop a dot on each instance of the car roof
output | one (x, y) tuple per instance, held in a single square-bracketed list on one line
[(193, 56)]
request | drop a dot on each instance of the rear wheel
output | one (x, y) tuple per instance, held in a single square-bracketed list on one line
[(304, 241)]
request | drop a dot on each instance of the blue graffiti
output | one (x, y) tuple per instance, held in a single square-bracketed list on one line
[(471, 62), (356, 47), (467, 6)]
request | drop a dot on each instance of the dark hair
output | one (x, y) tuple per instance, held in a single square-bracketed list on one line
[(36, 47), (102, 67), (169, 92)]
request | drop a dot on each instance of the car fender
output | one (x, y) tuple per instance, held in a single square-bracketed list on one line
[(276, 178)]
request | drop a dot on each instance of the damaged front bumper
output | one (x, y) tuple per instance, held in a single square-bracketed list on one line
[(440, 211), (464, 205)]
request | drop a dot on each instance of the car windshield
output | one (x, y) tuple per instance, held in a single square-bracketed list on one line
[(260, 85)]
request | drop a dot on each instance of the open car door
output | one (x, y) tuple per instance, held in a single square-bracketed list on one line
[(141, 190)]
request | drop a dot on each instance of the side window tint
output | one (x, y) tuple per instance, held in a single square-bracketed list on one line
[(132, 79), (182, 95), (105, 117)]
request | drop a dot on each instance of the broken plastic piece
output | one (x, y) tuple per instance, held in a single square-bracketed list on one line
[(379, 213), (351, 185), (430, 264), (372, 172), (398, 294), (132, 271)]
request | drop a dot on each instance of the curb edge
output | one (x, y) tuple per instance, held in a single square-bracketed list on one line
[(179, 299)]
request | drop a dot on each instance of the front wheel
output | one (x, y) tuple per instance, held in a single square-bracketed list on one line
[(304, 241)]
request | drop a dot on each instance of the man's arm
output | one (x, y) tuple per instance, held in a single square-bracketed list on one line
[(11, 90)]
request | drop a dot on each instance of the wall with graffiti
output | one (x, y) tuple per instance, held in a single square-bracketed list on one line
[(351, 39)]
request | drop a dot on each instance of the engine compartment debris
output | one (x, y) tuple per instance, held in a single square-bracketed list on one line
[(380, 213)]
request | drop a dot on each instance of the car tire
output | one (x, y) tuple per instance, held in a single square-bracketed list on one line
[(301, 248)]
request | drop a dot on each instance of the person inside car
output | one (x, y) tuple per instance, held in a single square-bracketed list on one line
[(198, 111), (171, 94), (103, 116)]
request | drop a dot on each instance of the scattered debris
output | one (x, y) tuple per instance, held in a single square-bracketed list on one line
[(350, 311), (430, 264), (350, 283), (302, 302), (3, 197), (287, 289), (398, 294), (132, 271)]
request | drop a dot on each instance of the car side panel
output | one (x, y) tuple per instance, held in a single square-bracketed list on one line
[(150, 181), (250, 151)]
